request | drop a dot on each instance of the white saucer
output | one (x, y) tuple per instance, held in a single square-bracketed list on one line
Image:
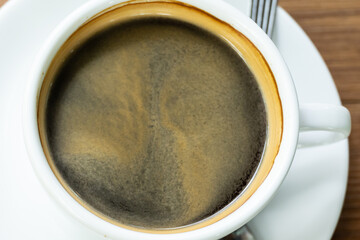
[(307, 206)]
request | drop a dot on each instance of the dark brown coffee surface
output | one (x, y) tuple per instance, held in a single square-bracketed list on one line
[(155, 123)]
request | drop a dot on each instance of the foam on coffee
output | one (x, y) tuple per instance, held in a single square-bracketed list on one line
[(154, 123)]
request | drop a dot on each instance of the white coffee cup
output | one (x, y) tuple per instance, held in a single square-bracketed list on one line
[(333, 122)]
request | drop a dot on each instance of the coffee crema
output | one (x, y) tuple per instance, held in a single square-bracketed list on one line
[(153, 118)]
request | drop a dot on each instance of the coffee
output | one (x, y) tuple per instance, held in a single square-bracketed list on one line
[(154, 122)]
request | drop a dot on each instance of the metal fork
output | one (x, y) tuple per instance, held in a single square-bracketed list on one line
[(263, 13), (242, 233)]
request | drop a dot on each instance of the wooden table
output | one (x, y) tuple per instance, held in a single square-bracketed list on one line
[(334, 27)]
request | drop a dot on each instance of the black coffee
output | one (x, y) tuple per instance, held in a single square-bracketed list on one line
[(156, 123)]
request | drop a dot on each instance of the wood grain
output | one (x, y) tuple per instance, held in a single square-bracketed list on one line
[(334, 27)]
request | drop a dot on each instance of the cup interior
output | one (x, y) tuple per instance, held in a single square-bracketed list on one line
[(245, 38)]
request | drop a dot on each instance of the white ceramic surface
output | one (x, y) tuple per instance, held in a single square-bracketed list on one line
[(258, 199), (312, 193)]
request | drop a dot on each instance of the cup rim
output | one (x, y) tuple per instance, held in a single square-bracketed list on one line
[(243, 214)]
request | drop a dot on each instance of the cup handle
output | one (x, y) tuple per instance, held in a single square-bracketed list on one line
[(322, 124)]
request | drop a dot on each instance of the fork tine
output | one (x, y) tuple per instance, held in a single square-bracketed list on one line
[(254, 9), (267, 9), (272, 17), (259, 17)]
